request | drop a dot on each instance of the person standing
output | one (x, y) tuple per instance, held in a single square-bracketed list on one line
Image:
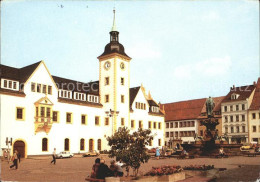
[(14, 158), (157, 153), (54, 156)]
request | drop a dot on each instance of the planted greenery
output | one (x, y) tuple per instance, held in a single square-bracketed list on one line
[(130, 148)]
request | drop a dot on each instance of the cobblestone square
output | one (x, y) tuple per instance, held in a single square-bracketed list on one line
[(239, 168)]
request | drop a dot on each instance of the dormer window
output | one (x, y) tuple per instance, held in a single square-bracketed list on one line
[(234, 96), (9, 84), (79, 96), (155, 109), (65, 94), (93, 98)]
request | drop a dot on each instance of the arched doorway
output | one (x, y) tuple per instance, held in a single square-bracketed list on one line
[(20, 147)]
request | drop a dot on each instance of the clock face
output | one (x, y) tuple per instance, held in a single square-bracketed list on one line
[(107, 65), (122, 66)]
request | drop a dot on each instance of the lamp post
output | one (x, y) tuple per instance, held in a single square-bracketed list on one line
[(7, 142), (112, 113)]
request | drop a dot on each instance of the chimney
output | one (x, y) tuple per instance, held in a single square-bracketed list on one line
[(233, 86), (254, 83)]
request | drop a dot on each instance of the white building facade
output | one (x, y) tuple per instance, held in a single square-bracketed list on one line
[(40, 112), (234, 109)]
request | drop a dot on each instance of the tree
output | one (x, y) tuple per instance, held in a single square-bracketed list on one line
[(130, 148)]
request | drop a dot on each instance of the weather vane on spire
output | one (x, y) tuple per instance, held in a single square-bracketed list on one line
[(114, 21)]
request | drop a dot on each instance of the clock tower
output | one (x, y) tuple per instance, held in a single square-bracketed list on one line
[(114, 81)]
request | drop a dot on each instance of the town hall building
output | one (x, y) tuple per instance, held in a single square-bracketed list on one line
[(40, 112)]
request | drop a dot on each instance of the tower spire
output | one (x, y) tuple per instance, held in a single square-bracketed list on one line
[(114, 21)]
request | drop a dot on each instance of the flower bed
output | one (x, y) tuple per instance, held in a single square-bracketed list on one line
[(164, 170), (199, 167), (202, 170)]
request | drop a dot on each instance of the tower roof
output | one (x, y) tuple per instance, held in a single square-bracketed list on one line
[(114, 46)]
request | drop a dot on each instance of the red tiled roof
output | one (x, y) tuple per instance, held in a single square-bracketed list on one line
[(183, 110), (244, 92), (255, 105)]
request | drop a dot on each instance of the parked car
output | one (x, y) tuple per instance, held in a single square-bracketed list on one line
[(152, 150), (64, 154), (91, 153)]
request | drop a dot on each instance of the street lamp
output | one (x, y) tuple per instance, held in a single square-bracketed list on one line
[(112, 113), (7, 142)]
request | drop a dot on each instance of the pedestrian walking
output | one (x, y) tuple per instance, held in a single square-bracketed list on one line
[(54, 156), (14, 159), (19, 156)]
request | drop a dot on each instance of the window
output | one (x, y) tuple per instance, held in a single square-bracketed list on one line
[(243, 117), (180, 124), (192, 123), (67, 144), (237, 129), (171, 134), (48, 112), (140, 124), (99, 145), (96, 120), (19, 113), (106, 121), (38, 88), (122, 81), (231, 108), (33, 87), (232, 129), (254, 128), (106, 80), (68, 117), (122, 121), (50, 90), (159, 142), (188, 124), (83, 119), (167, 134), (122, 99), (243, 106), (55, 116), (167, 125), (225, 108), (9, 84), (91, 144), (36, 111), (106, 98), (82, 144), (132, 123), (231, 118), (44, 144), (237, 107), (171, 125), (159, 126), (226, 119), (226, 129), (14, 85), (243, 129), (176, 124), (253, 115), (150, 125), (42, 111), (154, 125), (5, 83), (176, 134), (44, 87), (237, 118)]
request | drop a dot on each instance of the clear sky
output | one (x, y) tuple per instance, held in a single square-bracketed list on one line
[(180, 50)]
